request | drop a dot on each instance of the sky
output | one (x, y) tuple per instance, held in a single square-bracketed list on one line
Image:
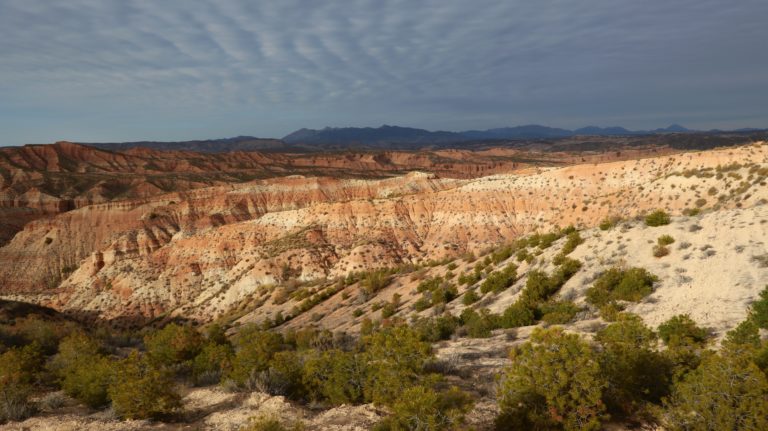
[(125, 70)]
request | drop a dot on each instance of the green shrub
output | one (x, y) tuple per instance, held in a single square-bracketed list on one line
[(759, 310), (469, 279), (611, 311), (83, 372), (421, 408), (336, 376), (74, 350), (254, 349), (635, 371), (265, 423), (617, 284), (46, 334), (141, 391), (660, 250), (444, 294), (435, 329), (553, 382), (691, 212), (174, 344), (388, 310), (284, 376), (213, 361), (665, 240), (479, 325), (470, 297), (573, 241), (566, 269), (518, 314), (373, 281), (422, 304), (396, 357), (558, 312), (499, 280), (523, 255), (745, 334), (681, 330), (608, 223), (18, 371), (89, 382), (538, 287), (726, 392), (657, 218)]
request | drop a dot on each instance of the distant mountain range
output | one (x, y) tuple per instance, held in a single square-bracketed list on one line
[(407, 138), (398, 135)]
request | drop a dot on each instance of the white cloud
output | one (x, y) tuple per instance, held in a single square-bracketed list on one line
[(374, 61)]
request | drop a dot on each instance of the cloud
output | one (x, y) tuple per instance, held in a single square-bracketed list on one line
[(238, 66)]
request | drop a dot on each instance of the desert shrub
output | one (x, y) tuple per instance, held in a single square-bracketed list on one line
[(538, 287), (573, 241), (558, 312), (396, 358), (499, 280), (254, 349), (422, 304), (174, 344), (502, 254), (74, 350), (46, 334), (83, 372), (140, 390), (759, 310), (660, 250), (478, 325), (435, 329), (435, 291), (634, 369), (335, 376), (444, 294), (617, 284), (373, 281), (88, 382), (265, 423), (726, 392), (553, 382), (470, 278), (421, 408), (429, 284), (284, 376), (523, 255), (746, 333), (518, 314), (611, 311), (470, 297), (18, 371), (681, 330), (657, 218), (608, 222), (566, 268), (213, 361), (690, 212), (665, 240), (388, 310)]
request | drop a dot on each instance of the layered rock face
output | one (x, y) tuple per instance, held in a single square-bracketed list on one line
[(200, 252)]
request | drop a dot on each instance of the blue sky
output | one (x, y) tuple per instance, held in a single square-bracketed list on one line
[(117, 70)]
